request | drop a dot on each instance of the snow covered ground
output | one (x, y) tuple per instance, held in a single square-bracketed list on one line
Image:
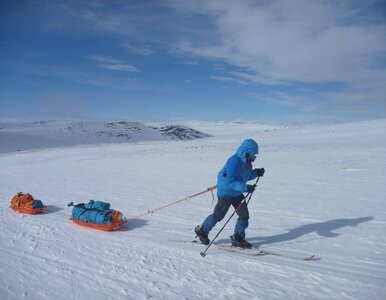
[(323, 193)]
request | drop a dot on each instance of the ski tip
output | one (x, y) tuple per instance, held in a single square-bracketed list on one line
[(202, 254)]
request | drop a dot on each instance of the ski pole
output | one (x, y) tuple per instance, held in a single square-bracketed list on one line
[(203, 254)]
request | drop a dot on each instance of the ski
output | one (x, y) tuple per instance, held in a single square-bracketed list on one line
[(251, 252)]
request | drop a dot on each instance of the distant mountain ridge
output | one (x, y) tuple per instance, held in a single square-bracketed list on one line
[(48, 134)]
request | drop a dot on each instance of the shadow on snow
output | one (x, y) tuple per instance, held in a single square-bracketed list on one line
[(132, 224), (50, 209), (324, 229)]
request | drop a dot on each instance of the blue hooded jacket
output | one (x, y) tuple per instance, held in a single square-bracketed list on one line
[(232, 178)]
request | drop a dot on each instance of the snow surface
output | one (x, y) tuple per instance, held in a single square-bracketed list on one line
[(323, 193)]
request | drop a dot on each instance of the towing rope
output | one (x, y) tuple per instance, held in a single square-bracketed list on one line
[(149, 212)]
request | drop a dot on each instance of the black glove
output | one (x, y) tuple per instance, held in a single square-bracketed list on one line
[(260, 172), (250, 188)]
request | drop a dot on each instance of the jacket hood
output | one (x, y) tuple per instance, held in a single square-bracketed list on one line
[(248, 146)]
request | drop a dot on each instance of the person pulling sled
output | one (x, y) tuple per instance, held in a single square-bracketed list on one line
[(231, 184)]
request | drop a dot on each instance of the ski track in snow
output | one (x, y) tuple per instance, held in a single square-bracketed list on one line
[(323, 194)]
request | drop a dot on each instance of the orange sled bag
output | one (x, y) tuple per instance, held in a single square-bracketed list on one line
[(26, 204)]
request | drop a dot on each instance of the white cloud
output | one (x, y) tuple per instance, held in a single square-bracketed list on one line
[(360, 100), (139, 51), (104, 59), (292, 41), (120, 67), (227, 78), (285, 99), (300, 43), (113, 64)]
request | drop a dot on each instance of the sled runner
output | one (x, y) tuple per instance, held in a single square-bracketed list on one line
[(104, 227), (33, 211), (26, 204)]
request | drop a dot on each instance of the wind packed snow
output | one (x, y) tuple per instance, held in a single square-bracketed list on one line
[(323, 193)]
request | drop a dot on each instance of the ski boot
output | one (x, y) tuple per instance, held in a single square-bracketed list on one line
[(199, 230), (238, 241)]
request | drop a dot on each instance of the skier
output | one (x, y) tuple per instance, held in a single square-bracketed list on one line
[(231, 184)]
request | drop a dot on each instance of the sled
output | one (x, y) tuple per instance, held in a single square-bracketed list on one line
[(104, 227), (29, 211)]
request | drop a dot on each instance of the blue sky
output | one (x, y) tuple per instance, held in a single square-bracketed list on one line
[(266, 61)]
